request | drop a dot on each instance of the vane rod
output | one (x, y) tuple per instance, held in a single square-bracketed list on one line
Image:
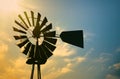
[(57, 36)]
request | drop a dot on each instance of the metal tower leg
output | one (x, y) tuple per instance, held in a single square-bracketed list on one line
[(32, 72), (39, 71)]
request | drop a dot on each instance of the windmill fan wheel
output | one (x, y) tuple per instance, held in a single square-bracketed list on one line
[(36, 37)]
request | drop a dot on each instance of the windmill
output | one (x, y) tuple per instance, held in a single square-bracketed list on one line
[(38, 40)]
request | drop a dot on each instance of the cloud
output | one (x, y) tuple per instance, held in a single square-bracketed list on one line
[(89, 52), (3, 49), (27, 5), (57, 67), (116, 66), (109, 76), (88, 36), (118, 50), (10, 68), (75, 60), (104, 57), (14, 69), (67, 68), (5, 37), (114, 71), (58, 29), (63, 49), (99, 63)]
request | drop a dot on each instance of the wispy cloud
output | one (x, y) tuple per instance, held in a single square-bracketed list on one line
[(63, 49), (3, 49), (104, 57), (118, 49), (9, 68), (17, 69), (114, 71), (59, 64), (116, 66), (75, 60), (27, 5), (89, 52), (88, 35), (5, 37), (58, 67), (99, 63), (109, 76)]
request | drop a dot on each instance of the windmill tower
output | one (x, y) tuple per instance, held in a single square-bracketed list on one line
[(39, 40)]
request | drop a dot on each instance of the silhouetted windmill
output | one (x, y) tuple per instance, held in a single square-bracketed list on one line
[(38, 40)]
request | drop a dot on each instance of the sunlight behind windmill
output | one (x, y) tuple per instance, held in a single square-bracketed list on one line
[(39, 40), (12, 6)]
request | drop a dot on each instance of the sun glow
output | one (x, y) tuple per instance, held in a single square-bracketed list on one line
[(9, 5)]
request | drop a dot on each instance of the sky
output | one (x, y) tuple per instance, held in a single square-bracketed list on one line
[(100, 22)]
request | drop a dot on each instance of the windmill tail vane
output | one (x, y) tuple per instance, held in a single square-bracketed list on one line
[(38, 39)]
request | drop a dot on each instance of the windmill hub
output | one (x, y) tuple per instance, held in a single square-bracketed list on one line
[(32, 38)]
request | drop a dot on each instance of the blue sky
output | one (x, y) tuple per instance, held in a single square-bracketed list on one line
[(100, 57)]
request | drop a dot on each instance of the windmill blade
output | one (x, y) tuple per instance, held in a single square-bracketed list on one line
[(20, 25), (20, 37), (43, 22), (31, 52), (40, 54), (27, 48), (32, 15), (23, 20), (31, 61), (73, 37), (50, 34), (49, 46), (25, 13), (17, 30), (47, 28), (23, 43), (46, 50), (38, 19), (51, 40)]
